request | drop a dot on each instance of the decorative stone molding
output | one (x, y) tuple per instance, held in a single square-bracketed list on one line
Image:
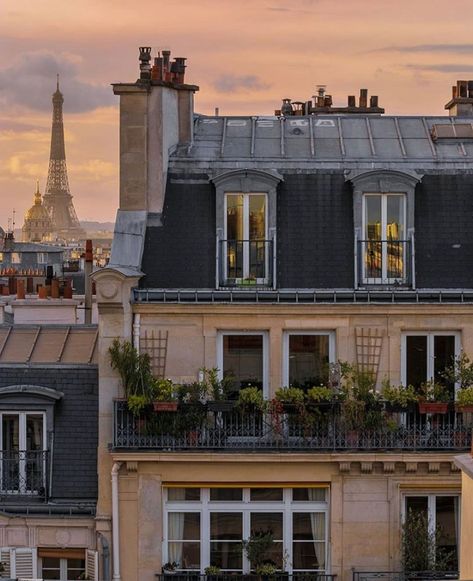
[(454, 467), (132, 466), (389, 467), (344, 467), (366, 467), (434, 466), (411, 466)]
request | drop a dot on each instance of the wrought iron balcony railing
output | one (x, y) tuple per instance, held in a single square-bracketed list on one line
[(245, 263), (196, 427), (405, 575), (384, 262), (23, 473), (233, 576)]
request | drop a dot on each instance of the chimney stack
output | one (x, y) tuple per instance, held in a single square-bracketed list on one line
[(461, 103), (145, 59)]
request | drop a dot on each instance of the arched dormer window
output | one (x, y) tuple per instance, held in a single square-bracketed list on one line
[(383, 211), (246, 228)]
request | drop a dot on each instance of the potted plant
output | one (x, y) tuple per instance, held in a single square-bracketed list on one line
[(170, 567), (464, 401), (291, 398), (257, 548), (433, 398), (135, 373), (460, 373), (250, 399), (398, 398), (216, 391), (211, 572), (322, 397), (164, 396)]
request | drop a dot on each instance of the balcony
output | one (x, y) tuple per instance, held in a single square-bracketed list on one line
[(405, 575), (196, 427), (23, 473), (384, 263), (245, 263), (231, 576)]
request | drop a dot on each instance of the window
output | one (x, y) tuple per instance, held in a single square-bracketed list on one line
[(42, 257), (61, 568), (426, 355), (1, 256), (383, 212), (441, 512), (307, 358), (246, 227), (23, 452), (210, 531), (16, 257), (384, 245), (242, 357), (245, 247)]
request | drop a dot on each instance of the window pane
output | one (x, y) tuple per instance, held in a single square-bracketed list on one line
[(394, 217), (183, 526), (226, 494), (308, 526), (257, 217), (373, 217), (235, 217), (308, 360), (308, 556), (176, 494), (243, 360), (265, 521), (186, 555), (265, 494), (444, 355), (417, 504), (226, 526), (226, 555), (34, 432), (416, 359), (11, 432), (446, 515), (309, 494)]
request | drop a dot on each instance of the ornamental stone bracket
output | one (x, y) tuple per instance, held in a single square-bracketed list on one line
[(399, 466)]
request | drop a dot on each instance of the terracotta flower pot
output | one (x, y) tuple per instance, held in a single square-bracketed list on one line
[(165, 406), (433, 407)]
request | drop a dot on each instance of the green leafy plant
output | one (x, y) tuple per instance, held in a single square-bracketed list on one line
[(320, 394), (460, 371), (257, 548), (266, 569), (290, 395), (251, 398), (465, 396), (420, 545), (431, 391), (137, 403), (353, 414), (212, 570), (164, 390), (398, 394), (134, 369), (213, 387)]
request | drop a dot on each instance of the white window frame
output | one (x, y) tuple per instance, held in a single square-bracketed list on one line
[(265, 335), (16, 258), (245, 507), (246, 235), (42, 258), (285, 361), (430, 351), (22, 445), (384, 252)]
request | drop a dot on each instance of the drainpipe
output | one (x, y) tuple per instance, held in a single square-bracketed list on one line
[(136, 331), (105, 557), (88, 282), (115, 523)]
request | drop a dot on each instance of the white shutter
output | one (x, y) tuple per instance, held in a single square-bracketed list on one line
[(92, 565), (24, 563), (5, 559)]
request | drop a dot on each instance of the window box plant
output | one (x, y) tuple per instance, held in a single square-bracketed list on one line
[(321, 397), (433, 398), (461, 374), (464, 401), (164, 396), (291, 398), (216, 391), (399, 398), (250, 399)]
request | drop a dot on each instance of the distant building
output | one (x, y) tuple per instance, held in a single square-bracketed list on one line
[(21, 257), (37, 226)]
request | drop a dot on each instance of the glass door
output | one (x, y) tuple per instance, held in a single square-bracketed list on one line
[(384, 244)]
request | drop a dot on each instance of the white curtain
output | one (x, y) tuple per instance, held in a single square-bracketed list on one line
[(175, 533), (317, 523)]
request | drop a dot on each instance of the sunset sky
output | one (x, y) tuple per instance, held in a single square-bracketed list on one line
[(245, 55)]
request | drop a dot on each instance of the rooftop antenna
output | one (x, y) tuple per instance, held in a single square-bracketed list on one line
[(13, 220)]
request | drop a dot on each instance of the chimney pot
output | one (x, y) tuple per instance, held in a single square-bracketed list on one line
[(374, 101), (351, 101), (462, 88), (470, 89), (145, 59), (454, 92), (363, 98)]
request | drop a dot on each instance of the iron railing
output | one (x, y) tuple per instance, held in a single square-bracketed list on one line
[(23, 473), (404, 576), (232, 576), (231, 430), (245, 263), (384, 262)]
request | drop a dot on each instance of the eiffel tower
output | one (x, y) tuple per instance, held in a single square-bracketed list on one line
[(57, 198)]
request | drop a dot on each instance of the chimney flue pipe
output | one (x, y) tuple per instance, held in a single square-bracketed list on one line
[(88, 282)]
